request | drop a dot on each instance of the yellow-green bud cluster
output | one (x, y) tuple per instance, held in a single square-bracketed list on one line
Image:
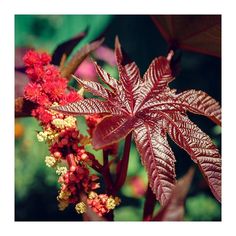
[(80, 207), (68, 122), (61, 170), (50, 161), (47, 135)]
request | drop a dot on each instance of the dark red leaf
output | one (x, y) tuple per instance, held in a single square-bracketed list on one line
[(149, 108), (194, 101), (158, 75), (199, 33), (106, 78)]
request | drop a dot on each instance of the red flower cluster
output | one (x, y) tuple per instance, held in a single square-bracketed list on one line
[(102, 203), (46, 88), (67, 142), (75, 181)]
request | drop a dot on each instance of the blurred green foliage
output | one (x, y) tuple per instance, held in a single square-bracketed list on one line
[(128, 213), (202, 208), (47, 31), (30, 159), (36, 184)]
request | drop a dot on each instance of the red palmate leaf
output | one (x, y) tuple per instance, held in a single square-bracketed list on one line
[(198, 33), (131, 84), (192, 100), (150, 109)]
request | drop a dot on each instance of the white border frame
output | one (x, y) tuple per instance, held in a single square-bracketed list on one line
[(8, 9)]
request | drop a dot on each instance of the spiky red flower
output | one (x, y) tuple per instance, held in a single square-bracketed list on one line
[(55, 89), (32, 58), (42, 114), (51, 73), (32, 91), (151, 110), (72, 96), (46, 86)]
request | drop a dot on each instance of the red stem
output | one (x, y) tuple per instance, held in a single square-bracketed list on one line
[(122, 171), (95, 164), (150, 201), (105, 157), (106, 172)]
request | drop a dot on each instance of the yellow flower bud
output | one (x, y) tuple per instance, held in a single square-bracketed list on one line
[(64, 195), (92, 195), (111, 204), (50, 161), (59, 123), (61, 170), (80, 207), (41, 136), (69, 121)]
